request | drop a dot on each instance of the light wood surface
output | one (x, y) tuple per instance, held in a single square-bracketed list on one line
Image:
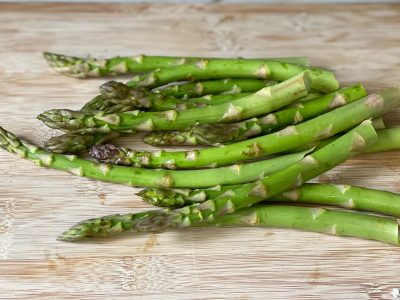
[(361, 43)]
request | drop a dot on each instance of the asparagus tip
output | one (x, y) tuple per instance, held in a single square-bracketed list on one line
[(104, 152)]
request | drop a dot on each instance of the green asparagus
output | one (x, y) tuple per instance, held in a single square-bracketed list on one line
[(321, 127), (323, 220), (93, 67), (266, 100), (239, 173), (346, 196), (249, 194), (322, 80), (225, 133), (113, 98), (227, 86)]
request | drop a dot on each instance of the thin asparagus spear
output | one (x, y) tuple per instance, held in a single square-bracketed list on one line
[(322, 80), (249, 194), (142, 99), (228, 86), (239, 173), (94, 67), (226, 133), (321, 127), (266, 100), (328, 221)]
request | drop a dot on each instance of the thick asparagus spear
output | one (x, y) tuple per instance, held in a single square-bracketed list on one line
[(248, 194), (324, 126), (239, 173), (245, 195), (227, 86), (93, 67), (328, 221), (322, 80), (225, 133), (266, 100)]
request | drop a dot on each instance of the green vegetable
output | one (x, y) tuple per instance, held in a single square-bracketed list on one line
[(226, 133), (249, 194), (205, 69), (227, 86), (321, 127), (266, 100), (94, 67), (146, 177), (335, 222)]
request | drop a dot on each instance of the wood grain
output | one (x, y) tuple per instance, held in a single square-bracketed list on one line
[(361, 43)]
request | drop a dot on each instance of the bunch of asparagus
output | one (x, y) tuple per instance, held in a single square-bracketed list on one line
[(270, 126)]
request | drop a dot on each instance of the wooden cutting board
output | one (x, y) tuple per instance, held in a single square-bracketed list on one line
[(361, 43)]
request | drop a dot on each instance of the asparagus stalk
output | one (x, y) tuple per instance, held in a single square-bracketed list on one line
[(266, 100), (245, 196), (345, 196), (226, 133), (322, 80), (328, 221), (321, 127), (235, 174), (227, 86), (76, 143), (116, 97), (388, 139), (94, 67), (249, 194)]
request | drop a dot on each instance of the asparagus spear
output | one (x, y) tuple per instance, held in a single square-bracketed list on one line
[(116, 97), (225, 133), (322, 80), (93, 67), (346, 196), (239, 173), (388, 139), (244, 196), (328, 221), (266, 100), (76, 143), (228, 86), (324, 126), (248, 194)]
